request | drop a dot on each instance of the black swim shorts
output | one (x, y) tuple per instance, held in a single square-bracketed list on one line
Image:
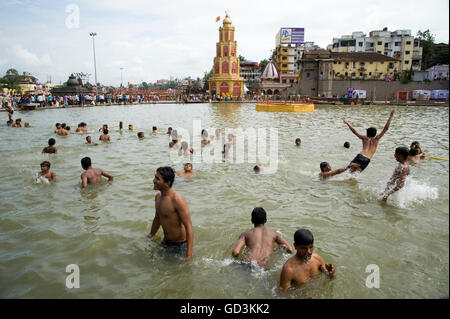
[(362, 161), (179, 247)]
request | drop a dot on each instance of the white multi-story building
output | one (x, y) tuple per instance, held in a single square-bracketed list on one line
[(399, 44)]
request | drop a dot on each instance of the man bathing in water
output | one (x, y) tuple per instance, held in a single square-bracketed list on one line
[(46, 173), (105, 137), (401, 171), (326, 171), (415, 153), (89, 141), (92, 175), (50, 149), (187, 171), (305, 264), (60, 130), (370, 144), (172, 214), (175, 143), (260, 240)]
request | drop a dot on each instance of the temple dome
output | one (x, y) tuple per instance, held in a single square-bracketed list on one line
[(270, 72), (72, 81), (227, 20)]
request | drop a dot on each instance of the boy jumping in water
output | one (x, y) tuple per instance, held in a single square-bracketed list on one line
[(370, 144), (400, 172)]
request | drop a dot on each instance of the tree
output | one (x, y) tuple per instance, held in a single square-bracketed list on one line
[(242, 58), (442, 57), (144, 86), (426, 42), (262, 64)]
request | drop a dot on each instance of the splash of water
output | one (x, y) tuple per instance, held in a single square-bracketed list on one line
[(414, 192)]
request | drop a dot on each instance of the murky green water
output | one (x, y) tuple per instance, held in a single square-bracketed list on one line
[(102, 229)]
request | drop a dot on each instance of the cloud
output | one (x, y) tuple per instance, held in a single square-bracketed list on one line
[(29, 58)]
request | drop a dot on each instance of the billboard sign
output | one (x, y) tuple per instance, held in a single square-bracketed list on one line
[(292, 35)]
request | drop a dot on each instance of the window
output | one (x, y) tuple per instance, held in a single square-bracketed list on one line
[(353, 64), (397, 44), (407, 52), (284, 65), (225, 51), (385, 53), (371, 45), (226, 36), (360, 44), (408, 42), (285, 50), (291, 81), (370, 73), (284, 58), (378, 51), (283, 81), (360, 73), (346, 73), (353, 73), (307, 74), (234, 67), (379, 42), (225, 67), (406, 62), (386, 45), (361, 63)]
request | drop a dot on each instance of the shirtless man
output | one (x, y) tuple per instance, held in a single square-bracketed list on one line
[(140, 135), (154, 130), (305, 264), (172, 214), (10, 122), (45, 172), (58, 127), (326, 171), (370, 144), (169, 131), (92, 175), (89, 141), (187, 171), (50, 149), (186, 149), (401, 171), (175, 143), (298, 142), (105, 137), (260, 240), (205, 139), (415, 153), (10, 110), (18, 123), (61, 131), (105, 126)]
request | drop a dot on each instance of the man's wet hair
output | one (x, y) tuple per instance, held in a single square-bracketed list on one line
[(371, 132), (51, 141), (169, 128), (188, 164), (402, 151), (415, 144), (154, 128), (303, 237), (347, 145), (87, 137), (57, 124), (86, 162), (139, 134), (18, 120), (67, 128), (323, 165), (63, 125), (167, 173), (105, 131), (259, 216), (298, 140), (79, 124), (46, 163), (105, 125), (83, 124), (413, 152), (256, 169)]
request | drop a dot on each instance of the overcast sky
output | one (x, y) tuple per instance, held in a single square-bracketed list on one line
[(155, 40)]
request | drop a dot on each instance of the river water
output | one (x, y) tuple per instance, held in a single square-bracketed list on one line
[(103, 228)]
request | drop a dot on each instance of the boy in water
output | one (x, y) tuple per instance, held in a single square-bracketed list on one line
[(326, 171), (175, 143), (18, 123), (305, 264), (46, 173), (187, 171), (205, 139), (50, 149), (260, 240), (401, 171), (415, 153), (105, 126), (154, 130), (105, 137), (92, 175), (169, 131), (140, 135), (58, 127), (10, 122), (370, 144), (298, 142), (89, 141)]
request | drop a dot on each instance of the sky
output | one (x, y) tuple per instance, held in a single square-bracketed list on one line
[(153, 40)]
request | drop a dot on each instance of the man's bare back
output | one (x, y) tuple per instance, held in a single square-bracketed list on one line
[(94, 175)]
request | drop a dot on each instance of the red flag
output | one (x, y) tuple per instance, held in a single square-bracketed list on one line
[(218, 18), (120, 84)]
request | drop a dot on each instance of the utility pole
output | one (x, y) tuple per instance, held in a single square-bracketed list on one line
[(93, 34)]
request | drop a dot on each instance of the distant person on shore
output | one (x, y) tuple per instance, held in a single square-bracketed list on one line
[(105, 137), (45, 173), (172, 214), (89, 141), (305, 264), (298, 142), (186, 149), (347, 145), (370, 144), (140, 135), (260, 240), (399, 176), (154, 130), (415, 153), (92, 175), (187, 171), (50, 149), (325, 170)]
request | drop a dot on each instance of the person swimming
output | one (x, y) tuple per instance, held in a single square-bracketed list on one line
[(45, 175), (105, 137), (415, 153), (169, 131), (370, 144), (298, 142), (89, 141), (154, 130), (326, 171), (400, 173), (50, 149), (92, 175), (186, 149), (175, 143), (187, 171), (140, 135), (205, 139), (347, 145)]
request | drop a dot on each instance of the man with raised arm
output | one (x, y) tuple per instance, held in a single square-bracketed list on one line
[(260, 240), (370, 144), (172, 214)]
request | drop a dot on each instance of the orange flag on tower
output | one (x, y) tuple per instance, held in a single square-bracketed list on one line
[(218, 18)]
